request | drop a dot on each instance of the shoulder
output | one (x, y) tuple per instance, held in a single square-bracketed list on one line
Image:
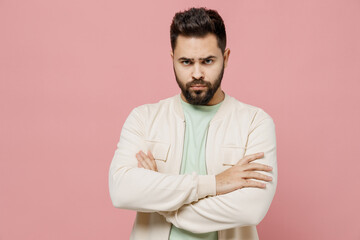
[(254, 114), (154, 108)]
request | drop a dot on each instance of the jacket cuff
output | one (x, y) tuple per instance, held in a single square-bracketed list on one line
[(206, 186)]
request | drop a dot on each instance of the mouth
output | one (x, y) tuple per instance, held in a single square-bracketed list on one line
[(198, 87)]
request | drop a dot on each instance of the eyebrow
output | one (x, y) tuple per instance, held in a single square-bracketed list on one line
[(186, 59)]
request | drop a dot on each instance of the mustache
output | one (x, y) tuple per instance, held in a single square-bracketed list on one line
[(198, 81)]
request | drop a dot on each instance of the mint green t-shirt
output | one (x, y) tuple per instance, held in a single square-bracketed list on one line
[(197, 118)]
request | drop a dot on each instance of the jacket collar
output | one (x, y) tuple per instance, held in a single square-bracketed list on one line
[(224, 107)]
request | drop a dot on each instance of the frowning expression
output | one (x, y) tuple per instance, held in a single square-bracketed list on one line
[(199, 67)]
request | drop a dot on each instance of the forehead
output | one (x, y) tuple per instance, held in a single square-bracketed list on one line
[(195, 47)]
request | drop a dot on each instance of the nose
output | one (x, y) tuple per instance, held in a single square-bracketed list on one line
[(197, 72)]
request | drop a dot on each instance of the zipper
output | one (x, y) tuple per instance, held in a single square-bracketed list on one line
[(206, 150), (182, 145), (182, 150)]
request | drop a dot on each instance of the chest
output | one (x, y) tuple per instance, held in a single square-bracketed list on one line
[(225, 143)]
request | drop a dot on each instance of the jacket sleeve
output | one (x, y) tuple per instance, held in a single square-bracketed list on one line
[(242, 207), (144, 190)]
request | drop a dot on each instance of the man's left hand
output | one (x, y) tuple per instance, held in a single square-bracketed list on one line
[(146, 161)]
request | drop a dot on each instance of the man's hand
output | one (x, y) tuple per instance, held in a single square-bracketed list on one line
[(146, 161), (238, 175)]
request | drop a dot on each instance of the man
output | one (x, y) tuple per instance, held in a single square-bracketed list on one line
[(200, 164)]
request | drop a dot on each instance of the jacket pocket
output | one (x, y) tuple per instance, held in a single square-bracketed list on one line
[(231, 154), (158, 149)]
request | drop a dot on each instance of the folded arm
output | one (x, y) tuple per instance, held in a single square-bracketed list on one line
[(144, 190), (242, 207)]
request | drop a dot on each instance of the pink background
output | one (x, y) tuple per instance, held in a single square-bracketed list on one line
[(71, 71)]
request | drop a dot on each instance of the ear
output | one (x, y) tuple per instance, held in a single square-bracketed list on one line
[(226, 56), (172, 54)]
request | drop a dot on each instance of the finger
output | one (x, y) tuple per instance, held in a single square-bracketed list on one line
[(147, 160), (142, 161), (150, 155), (256, 175), (139, 161), (152, 159), (256, 167), (139, 158), (252, 183), (139, 165), (251, 157)]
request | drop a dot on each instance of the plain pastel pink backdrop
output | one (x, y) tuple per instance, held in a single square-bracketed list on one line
[(71, 71)]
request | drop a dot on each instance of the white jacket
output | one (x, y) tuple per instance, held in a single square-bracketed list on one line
[(190, 201)]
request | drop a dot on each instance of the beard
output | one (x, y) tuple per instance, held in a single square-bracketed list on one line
[(200, 97)]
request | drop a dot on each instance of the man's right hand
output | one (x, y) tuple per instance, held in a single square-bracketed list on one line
[(239, 175)]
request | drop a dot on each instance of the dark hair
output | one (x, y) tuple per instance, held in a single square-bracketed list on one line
[(198, 22)]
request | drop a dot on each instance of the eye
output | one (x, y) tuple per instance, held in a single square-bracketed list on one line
[(186, 62), (208, 61)]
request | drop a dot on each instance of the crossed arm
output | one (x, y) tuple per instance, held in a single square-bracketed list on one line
[(231, 207), (240, 201)]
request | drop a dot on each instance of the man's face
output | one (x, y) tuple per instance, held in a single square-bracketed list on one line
[(199, 67)]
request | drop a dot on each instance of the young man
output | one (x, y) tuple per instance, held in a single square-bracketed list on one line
[(200, 164)]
